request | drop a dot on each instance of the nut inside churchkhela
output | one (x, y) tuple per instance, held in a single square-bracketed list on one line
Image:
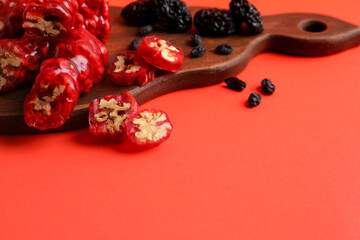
[(148, 127), (107, 115)]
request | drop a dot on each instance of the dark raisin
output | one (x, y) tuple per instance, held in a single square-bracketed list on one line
[(214, 22), (223, 49), (267, 86), (173, 15), (145, 30), (135, 44), (196, 40), (254, 99), (244, 12), (235, 83), (138, 13), (198, 51)]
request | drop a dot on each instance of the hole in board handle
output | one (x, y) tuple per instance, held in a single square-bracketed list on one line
[(313, 26)]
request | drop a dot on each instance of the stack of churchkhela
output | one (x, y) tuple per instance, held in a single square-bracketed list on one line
[(58, 45)]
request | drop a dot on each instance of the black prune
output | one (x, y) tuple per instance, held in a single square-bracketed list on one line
[(138, 13), (267, 86), (254, 21), (223, 49), (244, 12), (173, 15), (235, 83), (145, 30), (214, 22), (254, 100), (135, 44), (198, 51), (196, 40)]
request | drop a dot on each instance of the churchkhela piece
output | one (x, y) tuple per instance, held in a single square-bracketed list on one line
[(53, 95), (11, 18), (20, 61), (78, 64), (96, 18), (161, 53), (107, 115), (51, 19), (148, 127), (130, 68)]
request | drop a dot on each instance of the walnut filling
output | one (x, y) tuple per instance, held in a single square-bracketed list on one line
[(2, 26), (167, 51), (2, 82), (9, 59), (44, 103), (129, 66), (148, 127), (113, 112), (8, 72), (40, 23)]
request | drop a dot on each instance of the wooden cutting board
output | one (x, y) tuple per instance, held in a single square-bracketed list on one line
[(300, 34)]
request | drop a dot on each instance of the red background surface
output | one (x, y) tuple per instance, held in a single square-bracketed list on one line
[(287, 169)]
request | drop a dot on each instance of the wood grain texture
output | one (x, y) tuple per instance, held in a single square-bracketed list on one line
[(299, 34)]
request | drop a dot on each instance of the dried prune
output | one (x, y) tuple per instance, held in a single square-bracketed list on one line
[(138, 13), (267, 86), (223, 49), (198, 51), (196, 40), (214, 22), (244, 12), (145, 30), (254, 20), (235, 83), (135, 44), (173, 15), (254, 99)]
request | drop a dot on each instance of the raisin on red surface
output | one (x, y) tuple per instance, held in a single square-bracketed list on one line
[(244, 12), (173, 15), (138, 13), (267, 86), (235, 83), (254, 100), (198, 51), (223, 49), (214, 22)]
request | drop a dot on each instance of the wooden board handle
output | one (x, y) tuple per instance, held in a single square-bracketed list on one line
[(300, 34), (305, 34)]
